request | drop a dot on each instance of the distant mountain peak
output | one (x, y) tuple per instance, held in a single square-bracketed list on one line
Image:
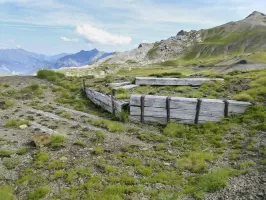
[(256, 14)]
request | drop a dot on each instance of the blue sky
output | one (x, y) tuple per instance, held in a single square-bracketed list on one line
[(68, 26)]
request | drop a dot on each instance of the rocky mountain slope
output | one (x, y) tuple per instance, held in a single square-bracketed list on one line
[(234, 38)]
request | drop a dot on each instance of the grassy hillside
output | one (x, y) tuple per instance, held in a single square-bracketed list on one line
[(91, 155)]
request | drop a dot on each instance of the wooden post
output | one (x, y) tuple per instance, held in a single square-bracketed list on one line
[(84, 85), (197, 111), (168, 99), (142, 108), (226, 106), (113, 101)]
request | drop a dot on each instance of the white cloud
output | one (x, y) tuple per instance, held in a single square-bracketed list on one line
[(69, 39), (98, 36)]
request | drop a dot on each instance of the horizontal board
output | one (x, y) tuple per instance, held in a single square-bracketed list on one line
[(160, 101), (119, 84), (104, 101), (161, 112), (174, 81), (127, 87), (159, 120), (182, 109)]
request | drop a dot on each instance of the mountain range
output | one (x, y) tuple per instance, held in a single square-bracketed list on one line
[(20, 61), (225, 45)]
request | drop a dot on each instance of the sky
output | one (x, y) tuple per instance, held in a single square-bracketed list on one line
[(67, 26)]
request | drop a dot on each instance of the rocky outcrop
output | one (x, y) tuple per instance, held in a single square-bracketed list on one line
[(247, 35)]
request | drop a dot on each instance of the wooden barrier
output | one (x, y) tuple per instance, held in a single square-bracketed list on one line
[(162, 109), (174, 81), (108, 103)]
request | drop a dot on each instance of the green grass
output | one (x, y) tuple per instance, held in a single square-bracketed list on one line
[(58, 174), (56, 164), (6, 153), (57, 141), (195, 161), (132, 161), (109, 125), (243, 97), (40, 159), (50, 75), (7, 193), (80, 143), (144, 171), (99, 137), (11, 163), (175, 130), (39, 193), (8, 104), (215, 180), (16, 123), (98, 150), (151, 137), (67, 115)]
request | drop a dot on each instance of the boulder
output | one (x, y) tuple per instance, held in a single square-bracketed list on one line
[(22, 127), (243, 62), (41, 140)]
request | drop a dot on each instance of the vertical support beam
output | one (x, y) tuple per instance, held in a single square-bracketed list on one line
[(168, 99), (113, 101), (84, 85), (197, 111), (226, 108), (142, 98)]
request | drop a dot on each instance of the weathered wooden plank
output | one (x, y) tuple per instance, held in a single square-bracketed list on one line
[(182, 109), (162, 112), (160, 101), (104, 101), (159, 120), (148, 120), (127, 87), (119, 84), (237, 107), (174, 81)]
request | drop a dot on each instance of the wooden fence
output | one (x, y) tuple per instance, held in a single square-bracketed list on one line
[(174, 81), (163, 109), (108, 103)]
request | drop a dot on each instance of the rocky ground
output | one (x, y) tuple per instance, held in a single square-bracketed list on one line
[(98, 161)]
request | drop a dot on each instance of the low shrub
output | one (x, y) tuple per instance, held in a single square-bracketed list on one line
[(67, 115), (7, 104), (243, 97), (16, 123), (80, 143), (6, 153), (39, 193), (7, 193), (215, 180), (175, 130), (57, 141), (10, 163), (98, 150), (195, 161), (56, 164), (49, 75)]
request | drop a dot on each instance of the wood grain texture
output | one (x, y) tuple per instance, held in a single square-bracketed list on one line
[(119, 84), (182, 109), (127, 87), (174, 81), (105, 101)]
